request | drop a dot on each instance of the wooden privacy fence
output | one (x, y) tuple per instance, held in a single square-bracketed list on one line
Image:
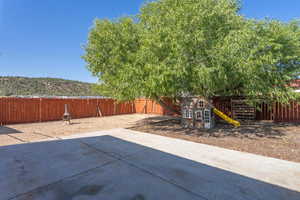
[(147, 106), (279, 112), (27, 110), (276, 112)]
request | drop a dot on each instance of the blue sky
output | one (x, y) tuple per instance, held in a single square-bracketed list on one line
[(43, 38)]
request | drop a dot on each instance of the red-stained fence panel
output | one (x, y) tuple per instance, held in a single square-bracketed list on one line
[(26, 110)]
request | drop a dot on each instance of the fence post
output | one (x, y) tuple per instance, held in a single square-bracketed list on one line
[(146, 105), (1, 110), (40, 109), (97, 107), (115, 108), (9, 111)]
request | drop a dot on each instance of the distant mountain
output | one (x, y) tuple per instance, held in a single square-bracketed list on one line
[(12, 86)]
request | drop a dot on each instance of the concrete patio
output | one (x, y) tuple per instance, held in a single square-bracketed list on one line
[(128, 165)]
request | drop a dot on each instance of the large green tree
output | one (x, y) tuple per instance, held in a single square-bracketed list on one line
[(198, 47)]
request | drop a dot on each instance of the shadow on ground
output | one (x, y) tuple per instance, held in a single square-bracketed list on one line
[(222, 129), (6, 130), (106, 167)]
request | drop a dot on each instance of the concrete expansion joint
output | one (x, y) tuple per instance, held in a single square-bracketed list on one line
[(165, 180), (52, 137), (74, 175), (123, 159), (61, 180), (16, 138)]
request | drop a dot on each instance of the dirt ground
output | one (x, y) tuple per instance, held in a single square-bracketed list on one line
[(20, 133), (278, 140)]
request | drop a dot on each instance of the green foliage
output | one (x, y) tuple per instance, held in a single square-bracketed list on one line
[(10, 86), (199, 47)]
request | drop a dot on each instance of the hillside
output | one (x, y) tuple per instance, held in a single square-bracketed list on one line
[(11, 86)]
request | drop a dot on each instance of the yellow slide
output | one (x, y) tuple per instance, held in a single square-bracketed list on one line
[(226, 118)]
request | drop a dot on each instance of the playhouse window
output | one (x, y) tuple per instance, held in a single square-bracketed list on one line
[(184, 113), (200, 104), (187, 113), (190, 114), (199, 115), (206, 116)]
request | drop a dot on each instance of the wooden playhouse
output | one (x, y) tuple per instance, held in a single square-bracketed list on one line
[(197, 113)]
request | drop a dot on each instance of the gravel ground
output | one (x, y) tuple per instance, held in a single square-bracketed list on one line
[(20, 133), (278, 140)]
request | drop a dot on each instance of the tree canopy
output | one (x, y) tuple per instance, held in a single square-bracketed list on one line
[(196, 47)]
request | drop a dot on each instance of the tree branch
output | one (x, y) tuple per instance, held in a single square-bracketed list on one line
[(166, 106)]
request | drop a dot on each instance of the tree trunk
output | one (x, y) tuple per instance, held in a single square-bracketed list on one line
[(166, 106)]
